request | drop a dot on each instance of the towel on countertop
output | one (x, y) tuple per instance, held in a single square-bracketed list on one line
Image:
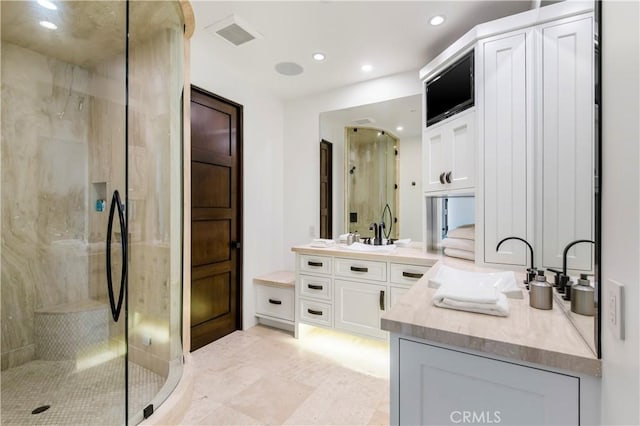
[(466, 232), (461, 254), (482, 299), (459, 243), (322, 242)]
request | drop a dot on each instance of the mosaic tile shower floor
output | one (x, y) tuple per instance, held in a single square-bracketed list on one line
[(93, 396)]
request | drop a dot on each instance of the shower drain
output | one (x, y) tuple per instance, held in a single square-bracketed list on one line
[(41, 409)]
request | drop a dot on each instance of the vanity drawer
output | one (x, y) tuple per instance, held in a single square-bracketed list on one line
[(407, 274), (316, 312), (275, 302), (361, 269), (315, 287), (315, 264)]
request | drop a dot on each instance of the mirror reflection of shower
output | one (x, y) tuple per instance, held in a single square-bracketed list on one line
[(371, 180)]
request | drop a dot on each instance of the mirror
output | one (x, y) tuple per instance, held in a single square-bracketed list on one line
[(367, 168)]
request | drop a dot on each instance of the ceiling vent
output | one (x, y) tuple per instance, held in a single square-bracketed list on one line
[(234, 30), (363, 121)]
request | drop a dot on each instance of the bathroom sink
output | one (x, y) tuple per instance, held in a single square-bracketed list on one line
[(370, 248), (505, 281)]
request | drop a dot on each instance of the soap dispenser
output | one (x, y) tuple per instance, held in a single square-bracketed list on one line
[(540, 292), (583, 297)]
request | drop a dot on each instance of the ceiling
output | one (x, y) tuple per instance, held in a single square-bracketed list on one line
[(391, 36)]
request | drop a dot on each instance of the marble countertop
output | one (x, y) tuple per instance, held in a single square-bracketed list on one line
[(527, 334), (412, 255), (284, 279)]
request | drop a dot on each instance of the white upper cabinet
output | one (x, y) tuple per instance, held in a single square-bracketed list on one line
[(502, 108), (567, 144), (449, 154)]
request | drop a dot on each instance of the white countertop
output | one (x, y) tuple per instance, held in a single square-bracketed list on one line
[(410, 255)]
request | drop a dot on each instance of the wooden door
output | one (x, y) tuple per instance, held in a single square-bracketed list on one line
[(216, 262), (326, 199)]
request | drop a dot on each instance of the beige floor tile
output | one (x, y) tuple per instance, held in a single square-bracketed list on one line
[(227, 416), (271, 400), (379, 418)]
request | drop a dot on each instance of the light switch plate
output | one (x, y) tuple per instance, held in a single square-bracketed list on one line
[(615, 308)]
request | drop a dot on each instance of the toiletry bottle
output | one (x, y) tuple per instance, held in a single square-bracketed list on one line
[(583, 297), (540, 292)]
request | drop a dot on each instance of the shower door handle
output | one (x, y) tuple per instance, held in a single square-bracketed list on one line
[(116, 307)]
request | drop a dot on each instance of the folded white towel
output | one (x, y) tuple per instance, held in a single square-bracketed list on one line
[(322, 242), (461, 254), (468, 232), (472, 297), (460, 244)]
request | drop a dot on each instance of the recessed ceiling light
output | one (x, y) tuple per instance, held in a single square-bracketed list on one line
[(399, 128), (47, 4), (436, 20), (319, 56), (367, 67), (48, 25)]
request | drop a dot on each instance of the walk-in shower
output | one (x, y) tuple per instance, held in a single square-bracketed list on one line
[(371, 180), (91, 109)]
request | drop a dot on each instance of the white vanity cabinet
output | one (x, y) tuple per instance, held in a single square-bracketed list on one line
[(444, 385), (449, 154), (354, 293), (567, 144), (504, 114), (535, 103)]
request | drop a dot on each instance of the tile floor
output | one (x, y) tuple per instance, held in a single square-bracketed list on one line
[(263, 376)]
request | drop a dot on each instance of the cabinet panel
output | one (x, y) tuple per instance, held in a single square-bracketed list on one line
[(361, 269), (407, 274), (505, 148), (449, 154), (395, 293), (313, 312), (316, 287), (568, 142), (439, 386), (315, 264), (358, 307), (275, 302)]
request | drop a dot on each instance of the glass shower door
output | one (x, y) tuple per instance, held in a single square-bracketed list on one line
[(63, 157)]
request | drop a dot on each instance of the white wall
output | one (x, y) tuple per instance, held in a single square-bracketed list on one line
[(620, 207), (302, 153), (263, 168)]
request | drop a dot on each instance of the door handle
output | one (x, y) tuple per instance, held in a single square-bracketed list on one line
[(382, 300), (318, 264), (359, 269), (312, 312), (442, 178), (314, 287), (116, 307), (275, 302), (235, 244), (447, 177)]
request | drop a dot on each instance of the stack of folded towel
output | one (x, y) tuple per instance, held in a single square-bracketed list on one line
[(472, 297), (460, 242)]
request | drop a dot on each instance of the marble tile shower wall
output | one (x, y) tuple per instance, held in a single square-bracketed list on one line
[(45, 129), (55, 166)]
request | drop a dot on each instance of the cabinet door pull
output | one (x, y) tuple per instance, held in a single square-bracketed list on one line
[(442, 178), (411, 275), (359, 269), (275, 302), (314, 287), (312, 312), (448, 177), (318, 264), (382, 300)]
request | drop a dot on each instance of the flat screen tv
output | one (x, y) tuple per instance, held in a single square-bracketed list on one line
[(451, 91)]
